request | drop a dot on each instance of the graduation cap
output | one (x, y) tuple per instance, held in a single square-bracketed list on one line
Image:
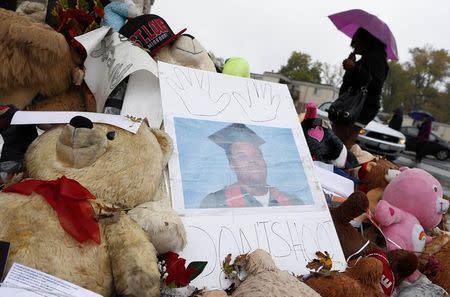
[(235, 133)]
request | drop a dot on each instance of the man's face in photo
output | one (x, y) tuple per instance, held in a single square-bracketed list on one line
[(247, 161)]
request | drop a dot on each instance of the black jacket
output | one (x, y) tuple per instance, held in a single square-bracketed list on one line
[(371, 67)]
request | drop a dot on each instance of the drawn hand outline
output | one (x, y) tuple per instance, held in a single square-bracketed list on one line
[(260, 105), (194, 90)]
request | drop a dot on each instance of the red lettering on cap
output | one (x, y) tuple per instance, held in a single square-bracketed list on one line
[(139, 34), (149, 31), (154, 26), (135, 41), (162, 26)]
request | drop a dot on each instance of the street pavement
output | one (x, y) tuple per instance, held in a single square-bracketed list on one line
[(439, 169)]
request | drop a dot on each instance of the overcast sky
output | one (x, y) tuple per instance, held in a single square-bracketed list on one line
[(266, 32)]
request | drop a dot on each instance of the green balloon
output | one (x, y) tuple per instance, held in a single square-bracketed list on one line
[(236, 66)]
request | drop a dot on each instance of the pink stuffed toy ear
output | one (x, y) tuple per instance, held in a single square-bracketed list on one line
[(386, 214), (404, 168)]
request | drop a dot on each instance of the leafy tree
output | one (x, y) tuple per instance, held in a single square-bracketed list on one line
[(397, 88), (300, 67), (428, 70), (439, 105), (420, 83)]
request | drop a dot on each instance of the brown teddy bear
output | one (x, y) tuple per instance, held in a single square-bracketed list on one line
[(350, 238), (374, 176), (363, 277), (37, 63), (81, 232)]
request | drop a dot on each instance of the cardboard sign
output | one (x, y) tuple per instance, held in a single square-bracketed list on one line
[(241, 174)]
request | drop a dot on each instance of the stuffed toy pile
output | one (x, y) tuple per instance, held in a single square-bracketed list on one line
[(412, 205), (374, 275), (69, 219)]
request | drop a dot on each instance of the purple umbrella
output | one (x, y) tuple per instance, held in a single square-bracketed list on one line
[(349, 21)]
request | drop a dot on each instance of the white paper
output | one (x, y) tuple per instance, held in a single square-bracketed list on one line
[(143, 98), (335, 183), (197, 104), (110, 59), (23, 281), (64, 117)]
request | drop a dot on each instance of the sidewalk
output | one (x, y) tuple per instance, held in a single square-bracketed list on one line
[(435, 171), (442, 175)]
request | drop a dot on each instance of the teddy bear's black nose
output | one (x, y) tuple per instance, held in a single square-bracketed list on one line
[(81, 122)]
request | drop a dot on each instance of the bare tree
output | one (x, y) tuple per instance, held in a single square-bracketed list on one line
[(332, 74)]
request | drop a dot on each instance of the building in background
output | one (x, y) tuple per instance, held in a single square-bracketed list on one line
[(301, 92)]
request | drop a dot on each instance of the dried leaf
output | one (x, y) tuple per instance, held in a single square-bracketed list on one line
[(226, 265), (314, 265)]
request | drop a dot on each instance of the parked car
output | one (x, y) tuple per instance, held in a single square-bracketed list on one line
[(375, 137), (435, 145)]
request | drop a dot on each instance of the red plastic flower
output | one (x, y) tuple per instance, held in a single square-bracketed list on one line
[(178, 276)]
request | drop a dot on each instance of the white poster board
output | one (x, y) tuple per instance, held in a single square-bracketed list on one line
[(216, 185), (110, 59)]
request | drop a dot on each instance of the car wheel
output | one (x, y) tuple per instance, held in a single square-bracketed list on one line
[(442, 155)]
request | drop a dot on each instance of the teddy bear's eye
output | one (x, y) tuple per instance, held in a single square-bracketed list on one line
[(435, 188), (111, 135)]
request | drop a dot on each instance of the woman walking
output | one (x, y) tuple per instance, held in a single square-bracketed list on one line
[(371, 71)]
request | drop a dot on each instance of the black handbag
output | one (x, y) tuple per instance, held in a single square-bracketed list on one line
[(347, 108)]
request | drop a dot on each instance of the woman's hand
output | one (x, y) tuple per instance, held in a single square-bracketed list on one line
[(348, 64)]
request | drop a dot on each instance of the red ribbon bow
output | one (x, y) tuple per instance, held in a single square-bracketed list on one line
[(70, 201)]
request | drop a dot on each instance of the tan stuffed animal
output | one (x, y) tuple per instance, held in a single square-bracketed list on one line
[(122, 170), (35, 59), (186, 51), (265, 279)]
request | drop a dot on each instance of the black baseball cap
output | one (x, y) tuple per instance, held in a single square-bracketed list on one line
[(150, 32), (235, 132)]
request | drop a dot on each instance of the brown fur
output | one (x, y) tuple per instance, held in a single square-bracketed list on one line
[(403, 263), (71, 100), (127, 174), (375, 178), (440, 248), (33, 56), (349, 237), (362, 280), (35, 59)]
